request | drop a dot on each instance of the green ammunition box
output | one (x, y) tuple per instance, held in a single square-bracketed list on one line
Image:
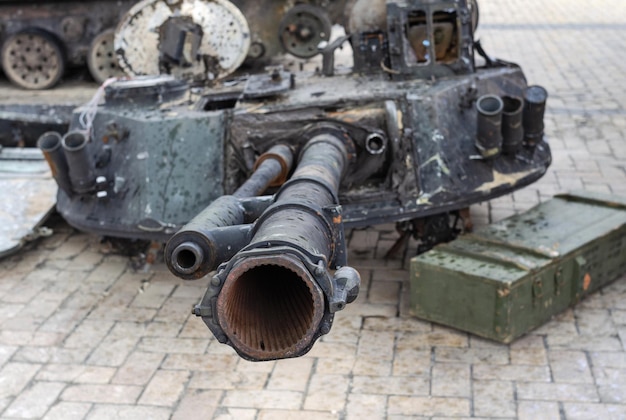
[(513, 276)]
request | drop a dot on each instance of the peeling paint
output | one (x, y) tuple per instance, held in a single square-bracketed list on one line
[(500, 179), (442, 167), (504, 292)]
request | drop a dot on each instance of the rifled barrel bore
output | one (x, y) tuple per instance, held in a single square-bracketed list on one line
[(79, 162), (489, 125), (270, 307), (50, 145), (535, 98), (512, 129)]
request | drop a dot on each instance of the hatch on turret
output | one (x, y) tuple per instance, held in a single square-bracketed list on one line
[(420, 38)]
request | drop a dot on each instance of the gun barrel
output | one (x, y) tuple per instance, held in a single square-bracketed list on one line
[(219, 231), (276, 296), (270, 170)]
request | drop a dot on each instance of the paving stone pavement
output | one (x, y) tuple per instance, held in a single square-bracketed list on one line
[(83, 335)]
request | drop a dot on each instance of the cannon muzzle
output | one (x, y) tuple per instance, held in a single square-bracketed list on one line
[(276, 295)]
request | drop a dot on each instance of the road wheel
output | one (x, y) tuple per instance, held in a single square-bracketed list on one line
[(101, 59), (33, 59)]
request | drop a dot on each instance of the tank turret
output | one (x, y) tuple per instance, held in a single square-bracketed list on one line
[(251, 176)]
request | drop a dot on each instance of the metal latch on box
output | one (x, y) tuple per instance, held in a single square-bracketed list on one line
[(537, 290), (559, 281)]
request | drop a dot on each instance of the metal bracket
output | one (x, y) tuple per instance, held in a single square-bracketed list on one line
[(559, 281)]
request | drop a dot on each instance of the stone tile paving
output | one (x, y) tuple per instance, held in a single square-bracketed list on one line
[(83, 335)]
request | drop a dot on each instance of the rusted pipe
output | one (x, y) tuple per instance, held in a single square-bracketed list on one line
[(219, 231), (276, 296), (266, 171), (50, 145)]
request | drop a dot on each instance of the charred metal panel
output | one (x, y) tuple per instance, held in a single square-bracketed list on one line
[(166, 167), (414, 142), (431, 162)]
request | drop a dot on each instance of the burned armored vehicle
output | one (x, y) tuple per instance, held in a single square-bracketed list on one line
[(255, 177), (40, 39)]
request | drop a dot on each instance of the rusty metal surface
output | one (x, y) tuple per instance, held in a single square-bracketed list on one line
[(270, 169), (270, 307), (27, 196)]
